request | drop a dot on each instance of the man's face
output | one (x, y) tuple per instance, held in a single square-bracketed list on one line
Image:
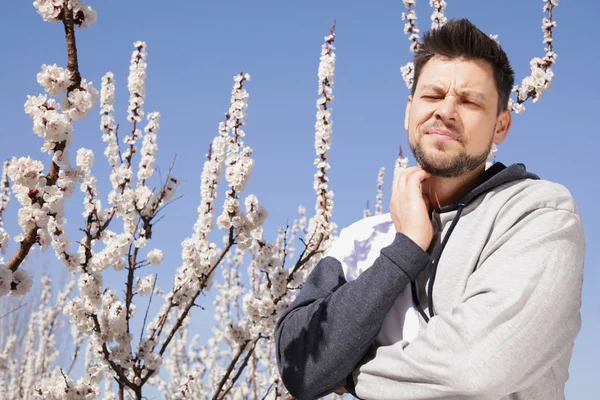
[(452, 119)]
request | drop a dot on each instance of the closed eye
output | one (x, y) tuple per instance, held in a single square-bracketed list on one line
[(470, 103), (431, 97)]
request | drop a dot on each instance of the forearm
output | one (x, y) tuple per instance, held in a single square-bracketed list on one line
[(329, 328)]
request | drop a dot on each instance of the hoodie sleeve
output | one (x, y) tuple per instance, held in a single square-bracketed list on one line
[(328, 329), (520, 312)]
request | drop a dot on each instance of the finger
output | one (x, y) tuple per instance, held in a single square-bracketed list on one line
[(406, 176), (408, 172), (401, 176), (396, 182), (397, 175), (415, 181)]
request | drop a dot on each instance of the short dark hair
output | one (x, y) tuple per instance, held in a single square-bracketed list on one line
[(462, 39)]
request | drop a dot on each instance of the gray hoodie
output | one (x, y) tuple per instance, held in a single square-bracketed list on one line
[(490, 311)]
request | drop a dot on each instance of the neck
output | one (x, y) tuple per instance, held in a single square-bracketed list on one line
[(444, 191)]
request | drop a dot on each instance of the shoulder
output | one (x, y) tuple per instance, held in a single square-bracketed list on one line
[(532, 194), (532, 213), (551, 195), (364, 228), (529, 200), (372, 232)]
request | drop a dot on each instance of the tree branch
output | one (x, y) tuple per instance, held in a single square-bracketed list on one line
[(75, 77), (238, 373)]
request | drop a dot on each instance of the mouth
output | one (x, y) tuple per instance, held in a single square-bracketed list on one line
[(441, 135)]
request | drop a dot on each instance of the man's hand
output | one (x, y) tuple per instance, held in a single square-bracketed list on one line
[(409, 207), (341, 391)]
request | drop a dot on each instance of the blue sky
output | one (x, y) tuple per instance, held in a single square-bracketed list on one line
[(195, 47)]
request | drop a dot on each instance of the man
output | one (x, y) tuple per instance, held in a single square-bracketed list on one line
[(470, 288)]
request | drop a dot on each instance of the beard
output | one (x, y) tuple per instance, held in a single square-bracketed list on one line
[(448, 166)]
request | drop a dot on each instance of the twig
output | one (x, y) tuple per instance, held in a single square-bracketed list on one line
[(238, 373), (12, 311), (148, 308), (5, 191), (285, 233), (75, 355), (268, 391), (118, 144)]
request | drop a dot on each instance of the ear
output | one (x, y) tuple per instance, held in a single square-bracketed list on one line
[(407, 112), (503, 124)]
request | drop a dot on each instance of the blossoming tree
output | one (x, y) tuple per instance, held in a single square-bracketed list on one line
[(238, 361)]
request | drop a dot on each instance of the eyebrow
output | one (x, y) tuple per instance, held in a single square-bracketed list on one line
[(462, 93)]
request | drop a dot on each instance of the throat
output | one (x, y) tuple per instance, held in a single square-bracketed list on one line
[(445, 191)]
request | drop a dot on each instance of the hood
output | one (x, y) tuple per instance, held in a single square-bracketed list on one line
[(498, 174)]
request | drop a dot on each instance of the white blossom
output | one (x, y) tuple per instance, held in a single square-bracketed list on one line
[(238, 161), (90, 287), (491, 156), (21, 282), (136, 82), (144, 200), (540, 79), (26, 172), (517, 107), (408, 74), (153, 361), (85, 160), (49, 9), (410, 27), (81, 100), (140, 242), (4, 240), (5, 189), (64, 388), (86, 15), (117, 318), (438, 19), (321, 226), (116, 246), (54, 79), (6, 278), (49, 122), (145, 285), (379, 197), (401, 165), (149, 147), (107, 121), (155, 256), (256, 213)]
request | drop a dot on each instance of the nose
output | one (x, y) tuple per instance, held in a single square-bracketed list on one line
[(446, 109)]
